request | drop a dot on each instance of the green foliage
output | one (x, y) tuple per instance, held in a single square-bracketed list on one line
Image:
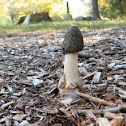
[(5, 21), (112, 8), (16, 8), (58, 9)]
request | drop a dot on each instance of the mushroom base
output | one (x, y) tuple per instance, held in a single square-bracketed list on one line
[(71, 70)]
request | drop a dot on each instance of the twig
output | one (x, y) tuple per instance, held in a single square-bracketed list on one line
[(101, 111), (3, 92), (123, 66), (51, 110), (120, 91), (96, 100), (7, 104), (89, 75), (121, 83), (88, 86)]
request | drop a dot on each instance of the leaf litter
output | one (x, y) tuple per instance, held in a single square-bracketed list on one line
[(31, 65)]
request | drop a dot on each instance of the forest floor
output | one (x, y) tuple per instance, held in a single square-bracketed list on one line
[(31, 65)]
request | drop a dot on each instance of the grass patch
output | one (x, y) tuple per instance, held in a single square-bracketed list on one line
[(45, 26)]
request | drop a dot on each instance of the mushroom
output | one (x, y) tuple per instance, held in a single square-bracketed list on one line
[(72, 44)]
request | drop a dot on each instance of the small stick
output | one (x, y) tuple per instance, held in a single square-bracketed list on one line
[(89, 75), (51, 110), (7, 104), (3, 92), (102, 111), (121, 83), (120, 91), (120, 66), (96, 100)]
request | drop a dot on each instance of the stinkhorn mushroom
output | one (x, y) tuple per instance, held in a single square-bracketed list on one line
[(72, 44)]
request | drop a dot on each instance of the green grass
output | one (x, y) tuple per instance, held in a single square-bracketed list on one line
[(46, 26)]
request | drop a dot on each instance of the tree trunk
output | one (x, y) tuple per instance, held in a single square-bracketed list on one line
[(95, 10), (67, 8)]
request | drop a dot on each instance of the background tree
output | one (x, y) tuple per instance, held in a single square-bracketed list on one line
[(12, 8), (95, 10), (94, 5), (112, 8)]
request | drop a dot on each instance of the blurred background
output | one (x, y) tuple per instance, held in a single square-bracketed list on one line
[(13, 12)]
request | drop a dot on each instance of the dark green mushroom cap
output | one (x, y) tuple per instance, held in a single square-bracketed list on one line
[(73, 41)]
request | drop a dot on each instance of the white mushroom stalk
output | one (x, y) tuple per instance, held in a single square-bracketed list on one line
[(71, 69)]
